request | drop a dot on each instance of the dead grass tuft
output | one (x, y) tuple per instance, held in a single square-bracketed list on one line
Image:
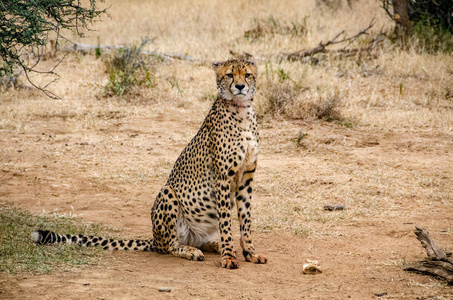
[(327, 109), (278, 99), (285, 97)]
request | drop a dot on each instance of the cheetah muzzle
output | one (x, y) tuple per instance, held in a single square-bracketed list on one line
[(212, 175)]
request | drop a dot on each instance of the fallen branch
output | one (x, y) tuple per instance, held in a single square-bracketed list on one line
[(321, 48), (436, 264), (85, 49), (432, 249)]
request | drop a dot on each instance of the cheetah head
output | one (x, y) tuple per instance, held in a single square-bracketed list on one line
[(236, 79)]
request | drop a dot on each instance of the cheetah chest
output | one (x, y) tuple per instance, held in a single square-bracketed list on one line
[(250, 152), (247, 158)]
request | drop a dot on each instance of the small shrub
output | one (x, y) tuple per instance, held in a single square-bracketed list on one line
[(281, 94), (331, 4), (279, 98), (278, 92), (282, 75), (128, 67)]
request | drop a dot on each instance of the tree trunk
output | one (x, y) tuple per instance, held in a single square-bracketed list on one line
[(403, 27)]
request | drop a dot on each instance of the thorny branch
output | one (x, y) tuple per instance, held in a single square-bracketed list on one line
[(26, 27)]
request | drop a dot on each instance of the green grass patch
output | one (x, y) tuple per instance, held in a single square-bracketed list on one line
[(18, 254)]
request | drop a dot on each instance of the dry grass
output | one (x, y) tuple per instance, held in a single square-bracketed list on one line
[(395, 90)]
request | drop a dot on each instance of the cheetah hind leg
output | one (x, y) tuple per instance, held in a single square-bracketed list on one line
[(211, 247), (165, 210), (188, 252)]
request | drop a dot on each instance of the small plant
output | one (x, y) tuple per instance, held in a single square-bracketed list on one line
[(330, 4), (282, 75), (301, 231), (128, 68), (174, 83), (209, 96), (98, 51), (300, 136)]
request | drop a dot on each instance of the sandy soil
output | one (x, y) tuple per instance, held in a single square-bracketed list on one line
[(112, 174)]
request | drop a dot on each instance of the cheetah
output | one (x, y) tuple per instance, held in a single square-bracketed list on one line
[(213, 174)]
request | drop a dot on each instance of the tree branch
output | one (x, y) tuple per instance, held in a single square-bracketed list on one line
[(321, 48)]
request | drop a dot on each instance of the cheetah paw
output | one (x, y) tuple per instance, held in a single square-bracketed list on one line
[(197, 255), (230, 263), (256, 258)]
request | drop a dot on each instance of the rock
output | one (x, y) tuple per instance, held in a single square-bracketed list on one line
[(332, 207)]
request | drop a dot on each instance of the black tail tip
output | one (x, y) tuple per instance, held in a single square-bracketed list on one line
[(42, 237)]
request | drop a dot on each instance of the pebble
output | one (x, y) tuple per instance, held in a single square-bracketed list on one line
[(332, 207), (165, 290)]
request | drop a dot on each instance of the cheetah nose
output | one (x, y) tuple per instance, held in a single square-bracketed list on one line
[(240, 86)]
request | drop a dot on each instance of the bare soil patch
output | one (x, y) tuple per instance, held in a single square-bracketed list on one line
[(112, 176)]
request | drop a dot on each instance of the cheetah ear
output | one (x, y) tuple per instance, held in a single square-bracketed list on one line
[(252, 63), (217, 65)]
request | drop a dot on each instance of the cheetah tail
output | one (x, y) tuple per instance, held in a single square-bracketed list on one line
[(43, 237)]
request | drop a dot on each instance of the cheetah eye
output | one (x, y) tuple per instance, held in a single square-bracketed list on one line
[(247, 75), (229, 75)]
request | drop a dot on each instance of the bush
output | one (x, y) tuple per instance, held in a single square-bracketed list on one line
[(437, 14), (431, 36), (428, 25), (128, 67)]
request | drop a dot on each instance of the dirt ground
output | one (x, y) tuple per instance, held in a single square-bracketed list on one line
[(112, 174)]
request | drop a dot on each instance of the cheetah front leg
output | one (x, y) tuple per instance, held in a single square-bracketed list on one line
[(243, 201), (229, 260)]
